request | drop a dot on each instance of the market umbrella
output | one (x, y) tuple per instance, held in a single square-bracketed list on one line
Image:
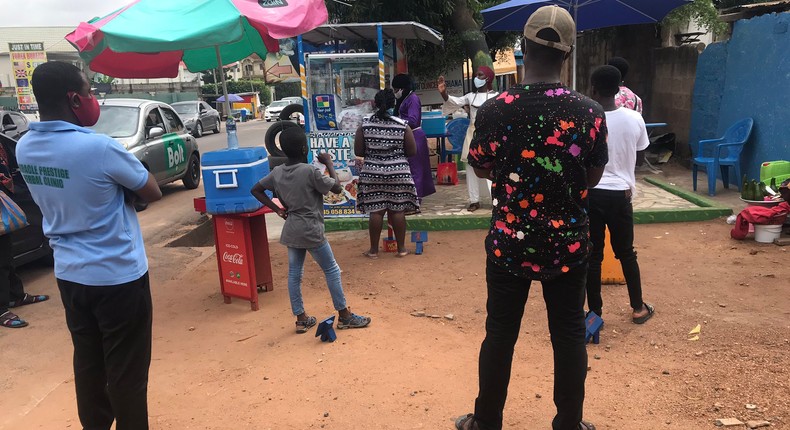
[(588, 14), (231, 98), (149, 38)]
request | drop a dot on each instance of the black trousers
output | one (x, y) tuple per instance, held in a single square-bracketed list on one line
[(507, 296), (612, 209), (111, 330), (10, 284)]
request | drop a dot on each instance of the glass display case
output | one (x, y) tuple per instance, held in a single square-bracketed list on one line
[(341, 89)]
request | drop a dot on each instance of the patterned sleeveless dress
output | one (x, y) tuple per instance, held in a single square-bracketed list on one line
[(385, 181)]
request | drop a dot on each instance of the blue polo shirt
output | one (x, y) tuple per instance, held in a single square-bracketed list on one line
[(76, 178)]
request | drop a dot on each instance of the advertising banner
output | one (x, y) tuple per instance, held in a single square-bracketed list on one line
[(25, 57), (340, 145)]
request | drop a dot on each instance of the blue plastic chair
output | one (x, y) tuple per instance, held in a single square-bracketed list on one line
[(720, 154), (456, 133)]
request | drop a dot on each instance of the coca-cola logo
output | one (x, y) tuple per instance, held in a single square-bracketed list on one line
[(229, 225), (233, 258)]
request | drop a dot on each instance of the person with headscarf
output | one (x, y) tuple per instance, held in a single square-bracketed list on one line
[(409, 109), (483, 82)]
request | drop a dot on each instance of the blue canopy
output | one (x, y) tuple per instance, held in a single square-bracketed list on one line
[(589, 14), (231, 98)]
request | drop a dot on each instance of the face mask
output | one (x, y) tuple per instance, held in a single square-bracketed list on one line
[(480, 83), (398, 94), (88, 112)]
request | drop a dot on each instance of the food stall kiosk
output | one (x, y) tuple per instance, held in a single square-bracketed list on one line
[(338, 91)]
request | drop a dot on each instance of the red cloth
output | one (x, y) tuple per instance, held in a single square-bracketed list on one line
[(775, 215)]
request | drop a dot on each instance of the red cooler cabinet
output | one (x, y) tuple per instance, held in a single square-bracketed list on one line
[(242, 246)]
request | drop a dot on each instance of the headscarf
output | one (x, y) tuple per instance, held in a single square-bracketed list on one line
[(404, 82)]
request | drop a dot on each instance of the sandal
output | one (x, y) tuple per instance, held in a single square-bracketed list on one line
[(473, 207), (402, 254), (370, 255), (303, 326), (28, 300), (466, 422), (650, 311), (11, 320), (584, 425)]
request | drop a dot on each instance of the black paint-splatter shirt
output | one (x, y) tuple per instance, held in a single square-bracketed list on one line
[(539, 140)]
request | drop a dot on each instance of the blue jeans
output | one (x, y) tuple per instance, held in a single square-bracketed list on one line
[(324, 257)]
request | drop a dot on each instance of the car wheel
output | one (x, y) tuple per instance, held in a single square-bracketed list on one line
[(271, 140), (217, 128), (198, 129), (192, 175)]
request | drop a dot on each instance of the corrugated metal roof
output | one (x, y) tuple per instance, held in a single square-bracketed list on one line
[(51, 37)]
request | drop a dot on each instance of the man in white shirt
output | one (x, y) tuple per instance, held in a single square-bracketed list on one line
[(610, 200)]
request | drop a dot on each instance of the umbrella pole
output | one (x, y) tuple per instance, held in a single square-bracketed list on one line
[(224, 84), (575, 48)]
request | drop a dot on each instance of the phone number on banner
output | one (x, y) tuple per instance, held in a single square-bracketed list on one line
[(347, 211)]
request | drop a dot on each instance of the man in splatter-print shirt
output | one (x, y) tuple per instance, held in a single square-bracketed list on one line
[(543, 146)]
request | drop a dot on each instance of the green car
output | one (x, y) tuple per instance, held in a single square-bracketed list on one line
[(154, 133)]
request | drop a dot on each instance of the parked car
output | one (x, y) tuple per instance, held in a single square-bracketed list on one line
[(198, 116), (29, 244), (272, 112), (154, 133), (14, 123)]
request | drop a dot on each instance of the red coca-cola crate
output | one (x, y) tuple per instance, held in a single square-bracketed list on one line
[(242, 246)]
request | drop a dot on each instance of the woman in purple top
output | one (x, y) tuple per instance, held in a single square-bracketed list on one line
[(408, 108)]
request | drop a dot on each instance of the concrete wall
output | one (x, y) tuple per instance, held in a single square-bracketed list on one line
[(662, 77), (756, 83), (674, 71)]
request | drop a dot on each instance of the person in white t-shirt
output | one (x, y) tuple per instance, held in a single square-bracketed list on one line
[(610, 200), (483, 91)]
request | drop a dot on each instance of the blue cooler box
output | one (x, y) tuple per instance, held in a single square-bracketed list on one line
[(433, 123), (228, 177)]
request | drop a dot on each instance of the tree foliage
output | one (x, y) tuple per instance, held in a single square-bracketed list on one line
[(705, 13), (425, 59)]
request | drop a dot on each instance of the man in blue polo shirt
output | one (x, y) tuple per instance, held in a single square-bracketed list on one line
[(78, 179)]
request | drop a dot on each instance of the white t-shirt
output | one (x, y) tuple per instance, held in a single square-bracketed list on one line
[(627, 135)]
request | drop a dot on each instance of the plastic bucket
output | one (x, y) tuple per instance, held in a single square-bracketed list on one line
[(767, 233)]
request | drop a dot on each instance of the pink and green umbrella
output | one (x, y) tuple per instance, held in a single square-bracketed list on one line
[(150, 38)]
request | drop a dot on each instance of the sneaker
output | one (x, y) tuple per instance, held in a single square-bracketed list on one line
[(355, 321)]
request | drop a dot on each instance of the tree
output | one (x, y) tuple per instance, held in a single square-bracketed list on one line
[(208, 76), (457, 20), (705, 13)]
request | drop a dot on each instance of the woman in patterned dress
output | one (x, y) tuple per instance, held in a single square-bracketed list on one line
[(385, 181)]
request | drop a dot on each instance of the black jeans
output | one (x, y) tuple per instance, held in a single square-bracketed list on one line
[(11, 288), (612, 209), (111, 330), (507, 295)]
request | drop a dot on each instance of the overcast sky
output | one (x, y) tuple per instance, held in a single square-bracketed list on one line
[(41, 13)]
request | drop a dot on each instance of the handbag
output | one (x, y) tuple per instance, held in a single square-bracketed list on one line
[(447, 174), (12, 217)]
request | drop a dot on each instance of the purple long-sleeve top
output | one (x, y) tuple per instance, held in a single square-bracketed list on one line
[(411, 111)]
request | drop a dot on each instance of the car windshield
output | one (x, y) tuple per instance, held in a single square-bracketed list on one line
[(185, 109), (279, 103), (117, 121)]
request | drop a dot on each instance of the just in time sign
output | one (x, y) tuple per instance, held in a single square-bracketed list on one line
[(25, 57)]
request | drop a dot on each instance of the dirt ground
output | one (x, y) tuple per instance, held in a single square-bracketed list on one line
[(220, 366)]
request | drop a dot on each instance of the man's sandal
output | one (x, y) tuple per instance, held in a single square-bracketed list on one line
[(466, 422), (303, 326), (11, 320), (584, 425), (643, 319), (473, 207), (28, 300)]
